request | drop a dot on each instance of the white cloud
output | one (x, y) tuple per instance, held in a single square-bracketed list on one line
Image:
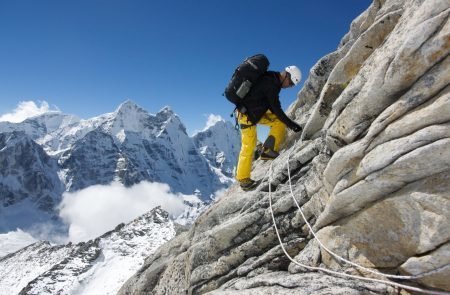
[(12, 241), (97, 209), (27, 109), (212, 120)]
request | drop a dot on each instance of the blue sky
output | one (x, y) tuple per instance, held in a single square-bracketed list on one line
[(86, 57)]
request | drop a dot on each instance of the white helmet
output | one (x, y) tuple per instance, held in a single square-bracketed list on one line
[(296, 75)]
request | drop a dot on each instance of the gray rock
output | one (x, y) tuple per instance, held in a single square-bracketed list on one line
[(310, 256), (370, 172), (434, 266), (311, 283)]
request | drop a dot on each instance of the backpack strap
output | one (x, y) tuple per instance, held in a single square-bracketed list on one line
[(233, 114)]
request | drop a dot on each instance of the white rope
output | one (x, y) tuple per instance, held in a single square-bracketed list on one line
[(341, 258), (331, 271)]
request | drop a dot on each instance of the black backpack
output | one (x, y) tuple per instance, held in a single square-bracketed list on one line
[(244, 77)]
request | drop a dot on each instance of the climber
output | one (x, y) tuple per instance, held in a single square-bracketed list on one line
[(263, 107)]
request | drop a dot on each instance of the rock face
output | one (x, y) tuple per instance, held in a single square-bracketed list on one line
[(29, 184), (371, 173)]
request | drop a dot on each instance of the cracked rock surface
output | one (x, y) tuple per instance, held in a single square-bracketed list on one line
[(371, 172)]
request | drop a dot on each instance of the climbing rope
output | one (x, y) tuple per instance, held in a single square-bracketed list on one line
[(406, 287), (341, 258)]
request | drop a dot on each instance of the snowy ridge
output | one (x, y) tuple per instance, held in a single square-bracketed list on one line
[(14, 241), (99, 266), (38, 126)]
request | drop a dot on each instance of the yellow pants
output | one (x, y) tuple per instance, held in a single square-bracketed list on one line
[(249, 138)]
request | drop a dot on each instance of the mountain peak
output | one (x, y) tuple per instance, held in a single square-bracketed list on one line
[(127, 106), (214, 122), (165, 114), (166, 111), (219, 124), (127, 117)]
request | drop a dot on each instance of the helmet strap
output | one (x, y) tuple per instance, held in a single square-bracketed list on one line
[(287, 75)]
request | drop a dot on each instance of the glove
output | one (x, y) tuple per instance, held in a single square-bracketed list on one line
[(295, 127)]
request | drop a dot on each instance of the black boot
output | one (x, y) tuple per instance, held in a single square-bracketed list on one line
[(248, 184), (269, 154)]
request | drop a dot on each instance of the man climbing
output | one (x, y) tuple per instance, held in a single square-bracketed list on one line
[(263, 107)]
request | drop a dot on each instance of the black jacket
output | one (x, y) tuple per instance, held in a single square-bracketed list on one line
[(264, 96)]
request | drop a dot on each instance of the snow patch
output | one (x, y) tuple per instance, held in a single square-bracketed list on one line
[(121, 135)]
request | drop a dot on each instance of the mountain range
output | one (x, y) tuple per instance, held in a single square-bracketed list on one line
[(47, 155)]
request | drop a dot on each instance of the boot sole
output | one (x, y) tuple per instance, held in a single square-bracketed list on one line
[(255, 185)]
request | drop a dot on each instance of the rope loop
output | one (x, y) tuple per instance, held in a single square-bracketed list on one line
[(332, 272)]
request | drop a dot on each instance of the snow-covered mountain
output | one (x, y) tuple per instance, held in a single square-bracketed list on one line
[(29, 184), (220, 151), (98, 266), (46, 155), (37, 127)]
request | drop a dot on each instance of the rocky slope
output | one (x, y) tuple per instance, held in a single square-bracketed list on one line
[(370, 172)]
